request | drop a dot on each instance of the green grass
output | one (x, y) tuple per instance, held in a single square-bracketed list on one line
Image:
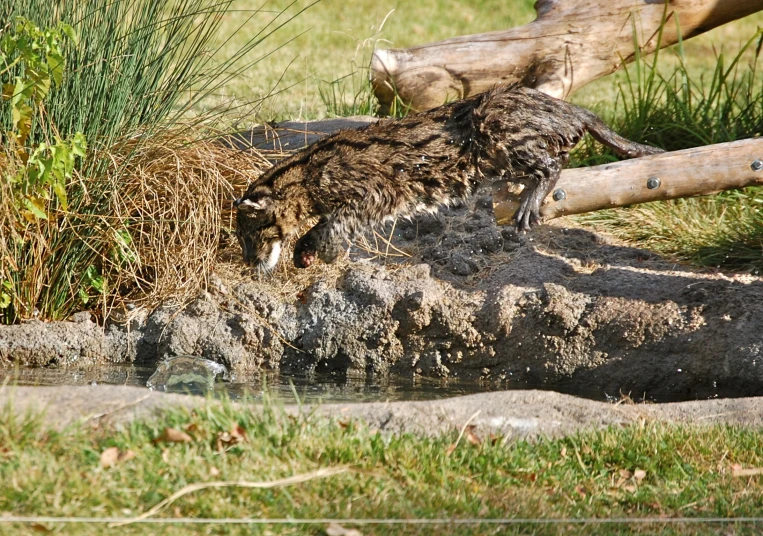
[(334, 40), (678, 109), (688, 473)]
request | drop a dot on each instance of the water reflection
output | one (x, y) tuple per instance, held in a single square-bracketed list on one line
[(307, 388), (310, 388)]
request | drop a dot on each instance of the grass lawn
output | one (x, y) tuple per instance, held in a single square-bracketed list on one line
[(648, 470), (335, 39)]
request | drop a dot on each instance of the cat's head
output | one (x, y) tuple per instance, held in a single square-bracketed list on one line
[(271, 210), (258, 230)]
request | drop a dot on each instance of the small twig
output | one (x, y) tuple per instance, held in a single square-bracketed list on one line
[(463, 431), (296, 479), (580, 461), (389, 239)]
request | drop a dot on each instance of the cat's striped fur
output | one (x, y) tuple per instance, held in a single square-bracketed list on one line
[(357, 178)]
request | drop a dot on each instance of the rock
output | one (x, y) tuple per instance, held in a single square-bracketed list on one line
[(186, 374), (459, 264)]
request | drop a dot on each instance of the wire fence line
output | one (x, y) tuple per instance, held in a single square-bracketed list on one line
[(391, 521)]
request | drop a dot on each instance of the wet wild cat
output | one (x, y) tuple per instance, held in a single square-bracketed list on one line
[(357, 178)]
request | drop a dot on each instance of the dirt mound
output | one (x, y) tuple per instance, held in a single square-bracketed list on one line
[(456, 295), (561, 308)]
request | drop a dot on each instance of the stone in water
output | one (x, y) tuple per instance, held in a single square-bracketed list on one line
[(186, 374)]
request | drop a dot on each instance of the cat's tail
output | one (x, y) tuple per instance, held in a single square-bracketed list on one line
[(622, 146)]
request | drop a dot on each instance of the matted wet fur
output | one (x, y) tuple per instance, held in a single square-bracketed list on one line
[(357, 178)]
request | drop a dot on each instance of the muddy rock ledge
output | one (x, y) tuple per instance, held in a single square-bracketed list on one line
[(560, 308)]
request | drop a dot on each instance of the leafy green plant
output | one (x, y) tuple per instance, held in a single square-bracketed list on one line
[(48, 166), (84, 232), (5, 296), (92, 280), (39, 54), (39, 61)]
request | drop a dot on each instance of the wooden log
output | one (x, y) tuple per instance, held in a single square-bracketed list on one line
[(571, 43), (691, 172)]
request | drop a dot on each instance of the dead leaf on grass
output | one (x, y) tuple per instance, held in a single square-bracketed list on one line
[(628, 479), (193, 428), (112, 456), (473, 438), (226, 440), (109, 457), (173, 435), (338, 530)]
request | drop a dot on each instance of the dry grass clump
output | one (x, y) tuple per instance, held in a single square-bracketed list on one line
[(144, 228), (173, 195)]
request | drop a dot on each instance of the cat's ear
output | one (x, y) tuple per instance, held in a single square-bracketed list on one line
[(245, 204)]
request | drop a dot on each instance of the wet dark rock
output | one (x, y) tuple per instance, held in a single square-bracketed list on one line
[(459, 264), (186, 374), (488, 240)]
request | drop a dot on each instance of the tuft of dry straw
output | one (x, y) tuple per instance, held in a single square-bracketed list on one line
[(150, 222), (174, 197)]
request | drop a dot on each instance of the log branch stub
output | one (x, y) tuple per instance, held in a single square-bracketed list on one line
[(571, 43)]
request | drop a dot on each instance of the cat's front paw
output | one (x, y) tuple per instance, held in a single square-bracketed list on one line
[(306, 250), (330, 250), (317, 243)]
